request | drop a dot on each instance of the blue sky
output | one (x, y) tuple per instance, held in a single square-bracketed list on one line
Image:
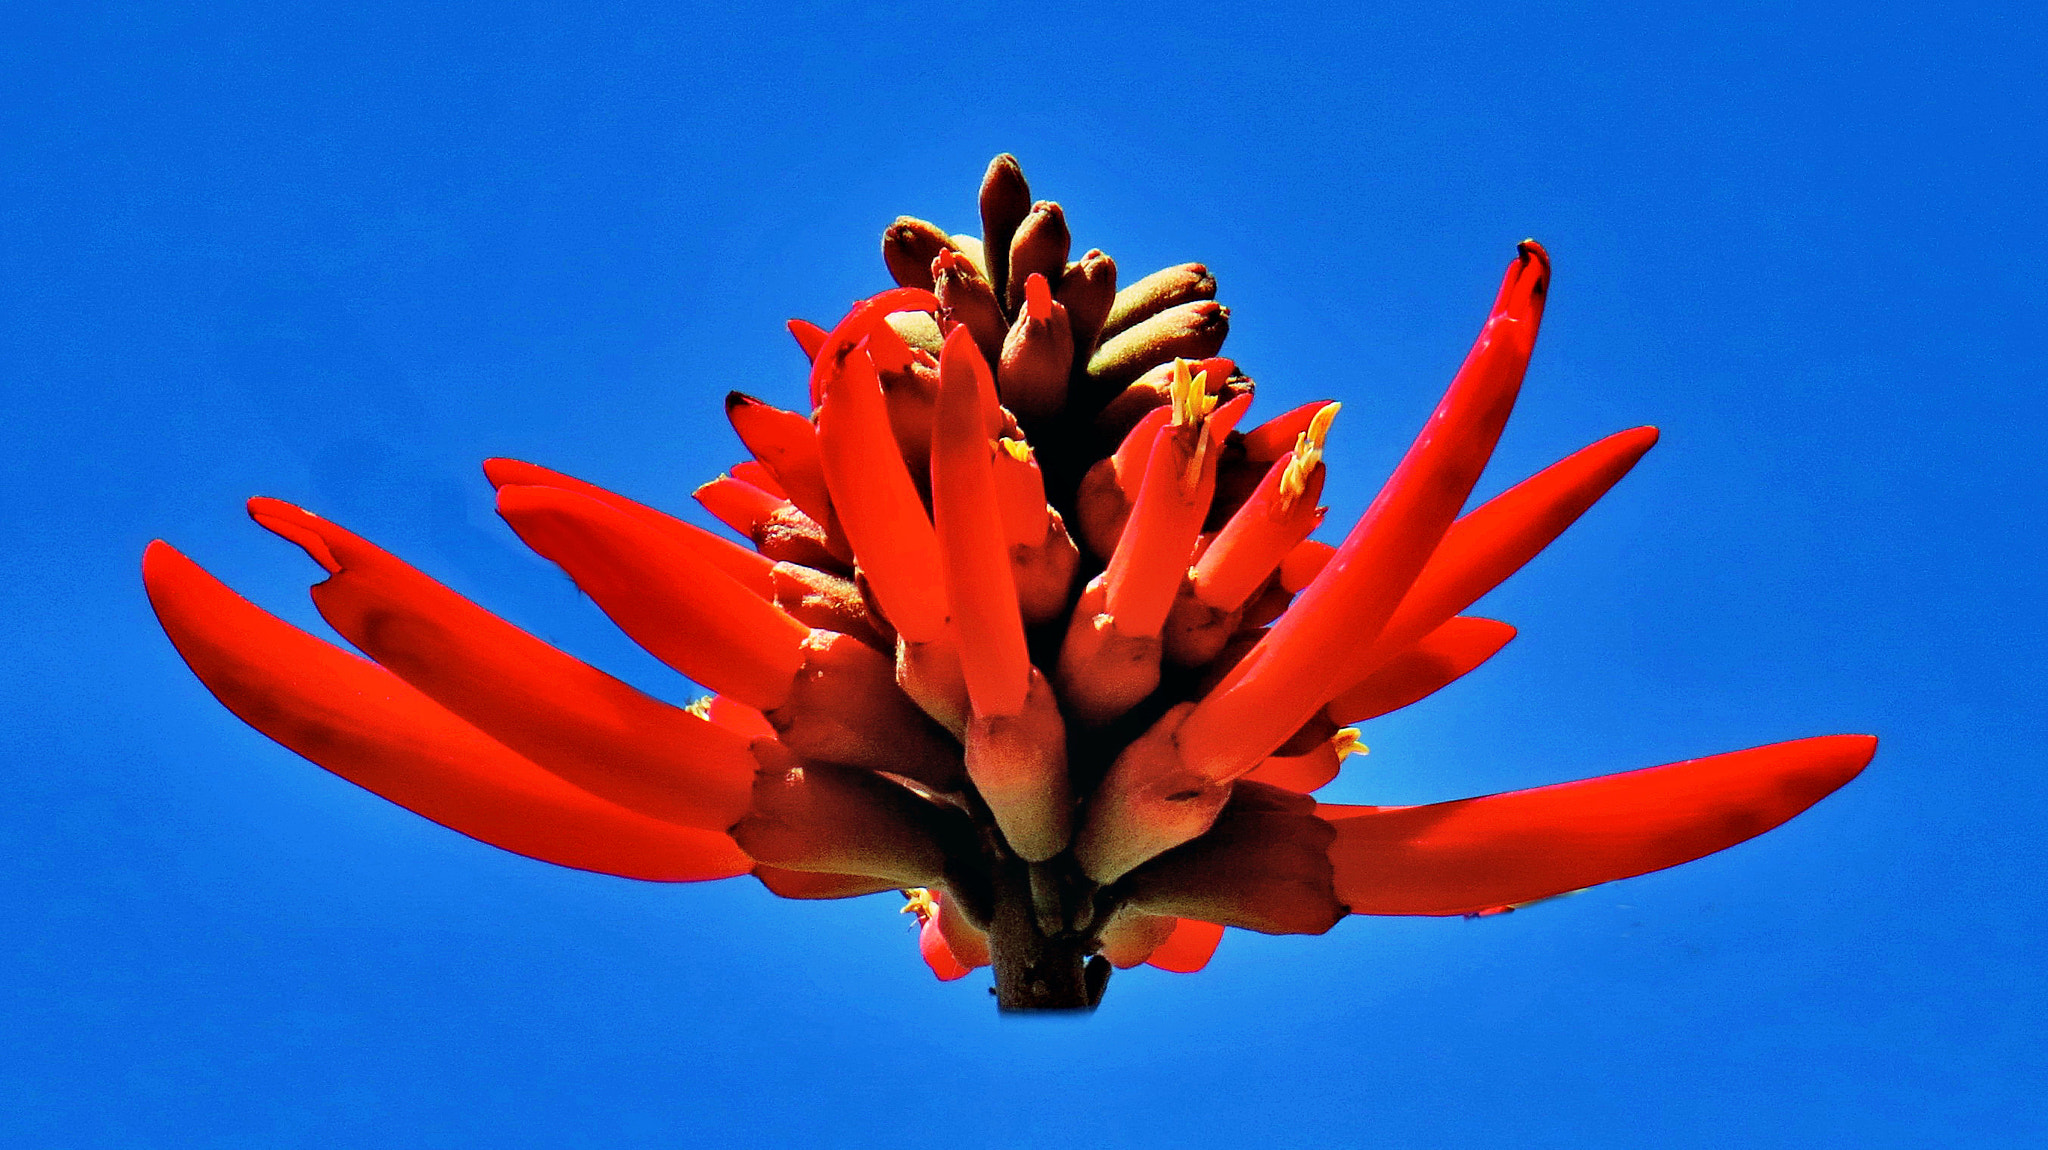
[(339, 256)]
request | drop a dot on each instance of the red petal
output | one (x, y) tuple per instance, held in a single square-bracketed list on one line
[(1473, 855), (667, 598), (740, 505), (787, 445), (749, 568), (1440, 659), (809, 336), (368, 726), (1263, 531), (1275, 438), (1301, 773), (807, 885), (1189, 948), (738, 718), (931, 944), (563, 714), (975, 557), (968, 942), (1290, 675), (749, 471), (878, 505), (1493, 542)]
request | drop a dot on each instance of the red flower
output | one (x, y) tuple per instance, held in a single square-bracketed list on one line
[(1071, 756)]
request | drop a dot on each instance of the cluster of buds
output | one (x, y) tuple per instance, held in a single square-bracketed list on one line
[(1030, 627)]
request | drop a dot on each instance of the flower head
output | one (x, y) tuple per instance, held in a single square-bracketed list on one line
[(1027, 625)]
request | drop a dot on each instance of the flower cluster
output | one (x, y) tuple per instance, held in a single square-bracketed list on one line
[(1026, 626)]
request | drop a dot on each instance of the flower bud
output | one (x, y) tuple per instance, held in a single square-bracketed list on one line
[(965, 297), (1005, 201), (1039, 247), (1037, 355), (909, 246), (1189, 331), (1163, 289), (1088, 289)]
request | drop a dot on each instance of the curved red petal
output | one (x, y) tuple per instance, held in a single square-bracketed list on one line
[(931, 944), (878, 504), (1442, 657), (1474, 855), (368, 726), (557, 711), (1262, 532), (809, 336), (1492, 542), (739, 718), (750, 471), (1302, 773), (748, 567), (685, 611), (1189, 948), (1289, 676), (740, 505), (974, 556), (786, 444), (811, 885)]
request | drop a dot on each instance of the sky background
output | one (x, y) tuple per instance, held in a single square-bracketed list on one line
[(340, 255)]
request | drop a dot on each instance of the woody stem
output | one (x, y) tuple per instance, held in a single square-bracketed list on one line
[(1039, 964)]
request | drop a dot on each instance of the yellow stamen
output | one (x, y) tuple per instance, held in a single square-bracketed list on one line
[(1190, 395), (921, 903), (1345, 742), (700, 707), (1308, 454), (1192, 404), (1018, 449)]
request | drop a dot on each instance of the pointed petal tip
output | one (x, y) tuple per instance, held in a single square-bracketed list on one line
[(499, 471), (297, 525)]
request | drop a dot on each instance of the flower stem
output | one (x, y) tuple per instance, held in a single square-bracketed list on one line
[(1038, 969)]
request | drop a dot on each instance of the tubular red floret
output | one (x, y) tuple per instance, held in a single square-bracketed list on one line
[(877, 502), (1437, 660), (367, 725), (685, 611), (564, 715), (1285, 680), (786, 444), (974, 555), (1474, 855), (750, 568), (740, 505), (1493, 542)]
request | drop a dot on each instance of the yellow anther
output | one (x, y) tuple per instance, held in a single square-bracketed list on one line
[(1345, 742), (920, 903), (700, 707), (1308, 455), (1192, 402), (1017, 449)]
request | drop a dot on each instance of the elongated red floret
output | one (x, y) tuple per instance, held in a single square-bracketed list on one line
[(685, 611), (1474, 855), (1313, 647), (752, 569), (561, 713), (365, 724)]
